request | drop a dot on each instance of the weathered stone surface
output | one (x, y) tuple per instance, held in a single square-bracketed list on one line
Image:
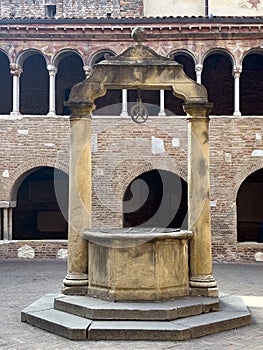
[(26, 252), (233, 313), (98, 309), (138, 266)]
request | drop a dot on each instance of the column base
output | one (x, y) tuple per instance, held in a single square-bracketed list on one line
[(51, 114), (75, 284), (203, 286)]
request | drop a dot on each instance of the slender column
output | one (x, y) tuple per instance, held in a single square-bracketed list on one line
[(10, 223), (16, 71), (124, 112), (198, 72), (202, 281), (52, 90), (76, 281), (236, 73), (162, 112), (5, 224)]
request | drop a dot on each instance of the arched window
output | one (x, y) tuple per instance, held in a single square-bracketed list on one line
[(111, 103), (41, 211), (250, 208), (156, 198), (5, 85), (218, 79), (172, 103), (34, 85), (251, 85), (70, 72)]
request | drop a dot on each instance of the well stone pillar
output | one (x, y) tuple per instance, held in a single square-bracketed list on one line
[(202, 281), (76, 281)]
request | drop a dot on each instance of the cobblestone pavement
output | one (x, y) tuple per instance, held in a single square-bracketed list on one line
[(25, 281)]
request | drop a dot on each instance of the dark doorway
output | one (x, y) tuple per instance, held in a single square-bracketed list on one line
[(173, 105), (250, 208), (34, 86), (251, 85), (5, 85), (218, 79), (157, 198), (42, 201), (70, 72)]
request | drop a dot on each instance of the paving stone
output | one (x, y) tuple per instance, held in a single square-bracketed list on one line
[(23, 282)]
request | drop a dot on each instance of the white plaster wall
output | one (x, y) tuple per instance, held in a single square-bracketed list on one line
[(236, 7), (174, 8)]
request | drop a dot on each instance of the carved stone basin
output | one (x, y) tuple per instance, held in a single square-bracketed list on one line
[(138, 263)]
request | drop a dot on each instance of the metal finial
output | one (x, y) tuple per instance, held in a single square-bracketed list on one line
[(139, 34)]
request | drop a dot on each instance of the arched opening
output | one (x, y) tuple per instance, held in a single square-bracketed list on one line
[(5, 85), (70, 72), (111, 103), (250, 208), (218, 79), (157, 198), (172, 103), (251, 85), (34, 85), (42, 201)]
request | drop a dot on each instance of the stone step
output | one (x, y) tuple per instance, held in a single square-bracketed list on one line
[(97, 309), (233, 313), (42, 314)]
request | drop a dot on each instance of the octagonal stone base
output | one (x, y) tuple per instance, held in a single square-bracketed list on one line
[(138, 264)]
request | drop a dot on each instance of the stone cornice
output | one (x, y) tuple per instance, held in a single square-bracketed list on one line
[(120, 29)]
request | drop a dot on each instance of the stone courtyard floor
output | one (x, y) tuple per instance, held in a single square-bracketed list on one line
[(24, 281)]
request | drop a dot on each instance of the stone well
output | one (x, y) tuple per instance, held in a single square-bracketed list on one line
[(138, 264)]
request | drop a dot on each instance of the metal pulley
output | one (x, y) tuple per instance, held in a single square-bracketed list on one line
[(139, 112)]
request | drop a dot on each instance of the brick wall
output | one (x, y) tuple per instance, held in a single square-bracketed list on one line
[(124, 151), (71, 8)]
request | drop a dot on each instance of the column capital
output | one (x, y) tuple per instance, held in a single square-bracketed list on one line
[(237, 70), (79, 110), (15, 69), (197, 110), (87, 70), (52, 69), (198, 68)]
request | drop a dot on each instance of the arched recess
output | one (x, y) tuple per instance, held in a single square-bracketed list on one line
[(251, 84), (156, 198), (5, 85), (218, 79), (173, 104), (42, 202), (70, 72), (250, 208), (111, 103), (34, 83)]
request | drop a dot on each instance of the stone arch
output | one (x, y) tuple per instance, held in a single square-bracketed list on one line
[(34, 92), (249, 208), (26, 168), (64, 53), (143, 167), (222, 51), (186, 52), (251, 83), (188, 61), (41, 210), (242, 175), (5, 84), (23, 55), (70, 70), (217, 76), (100, 55)]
